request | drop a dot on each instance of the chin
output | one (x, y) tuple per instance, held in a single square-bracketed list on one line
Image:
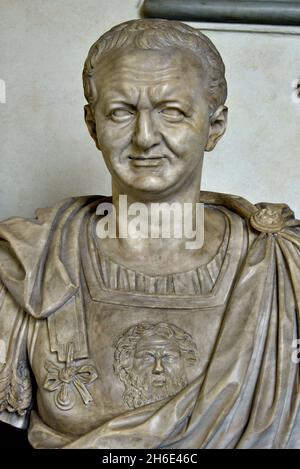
[(149, 184)]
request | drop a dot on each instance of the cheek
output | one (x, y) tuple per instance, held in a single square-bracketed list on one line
[(186, 139), (144, 372), (141, 366), (174, 367), (111, 137)]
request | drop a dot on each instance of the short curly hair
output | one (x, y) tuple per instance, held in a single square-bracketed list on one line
[(158, 34)]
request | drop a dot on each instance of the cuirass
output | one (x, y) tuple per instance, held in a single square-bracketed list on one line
[(85, 381)]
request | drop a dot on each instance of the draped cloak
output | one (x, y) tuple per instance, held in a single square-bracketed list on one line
[(247, 395)]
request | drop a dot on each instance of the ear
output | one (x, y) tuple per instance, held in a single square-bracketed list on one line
[(91, 124), (218, 124)]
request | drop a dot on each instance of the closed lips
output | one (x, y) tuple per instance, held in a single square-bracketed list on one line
[(147, 161), (142, 158)]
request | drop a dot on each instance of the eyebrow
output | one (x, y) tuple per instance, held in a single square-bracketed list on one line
[(174, 102), (121, 97), (171, 95)]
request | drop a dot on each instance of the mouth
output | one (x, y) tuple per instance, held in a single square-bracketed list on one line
[(158, 382), (146, 161)]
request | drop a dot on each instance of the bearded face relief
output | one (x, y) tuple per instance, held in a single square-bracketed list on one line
[(151, 361)]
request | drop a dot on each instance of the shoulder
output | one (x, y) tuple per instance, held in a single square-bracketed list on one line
[(31, 252), (46, 216), (263, 217)]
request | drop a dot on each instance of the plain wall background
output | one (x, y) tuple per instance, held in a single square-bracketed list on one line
[(46, 152)]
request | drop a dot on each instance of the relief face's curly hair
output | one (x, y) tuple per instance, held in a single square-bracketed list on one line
[(125, 347), (159, 34)]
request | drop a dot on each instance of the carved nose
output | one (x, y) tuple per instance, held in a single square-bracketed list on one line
[(145, 135), (158, 367)]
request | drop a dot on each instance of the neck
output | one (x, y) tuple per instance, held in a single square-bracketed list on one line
[(140, 210), (190, 193)]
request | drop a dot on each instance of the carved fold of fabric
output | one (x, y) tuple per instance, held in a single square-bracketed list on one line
[(19, 395), (41, 286), (15, 380), (197, 281), (277, 398), (250, 399), (71, 313)]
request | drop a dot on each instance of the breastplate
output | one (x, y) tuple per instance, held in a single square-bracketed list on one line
[(112, 349)]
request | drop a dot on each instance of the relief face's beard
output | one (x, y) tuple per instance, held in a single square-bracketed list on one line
[(147, 388)]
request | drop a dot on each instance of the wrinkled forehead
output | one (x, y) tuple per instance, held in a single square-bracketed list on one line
[(139, 67)]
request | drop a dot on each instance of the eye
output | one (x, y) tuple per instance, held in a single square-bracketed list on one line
[(121, 114), (144, 356), (172, 114), (148, 357), (169, 358)]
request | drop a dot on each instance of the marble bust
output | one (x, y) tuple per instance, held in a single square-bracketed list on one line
[(139, 342)]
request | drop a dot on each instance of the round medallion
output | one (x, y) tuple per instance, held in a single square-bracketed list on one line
[(268, 220)]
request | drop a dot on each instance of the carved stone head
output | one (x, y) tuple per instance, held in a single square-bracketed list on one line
[(156, 91), (151, 361)]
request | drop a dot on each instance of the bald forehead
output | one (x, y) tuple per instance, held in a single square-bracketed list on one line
[(148, 63), (148, 60), (156, 68)]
